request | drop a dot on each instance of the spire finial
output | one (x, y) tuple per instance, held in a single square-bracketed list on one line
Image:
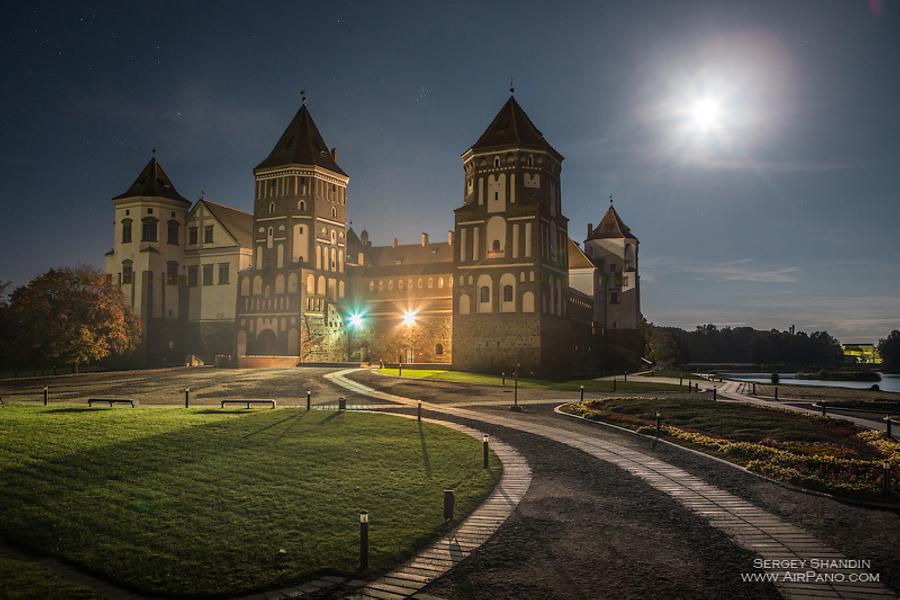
[(202, 195), (153, 152), (512, 89), (610, 200), (303, 96)]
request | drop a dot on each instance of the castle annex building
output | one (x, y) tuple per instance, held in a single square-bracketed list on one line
[(292, 283)]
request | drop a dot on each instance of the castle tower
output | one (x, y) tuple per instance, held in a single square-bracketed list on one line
[(147, 259), (614, 250), (510, 301), (288, 300)]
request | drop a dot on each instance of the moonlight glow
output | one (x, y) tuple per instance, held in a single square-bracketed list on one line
[(706, 114)]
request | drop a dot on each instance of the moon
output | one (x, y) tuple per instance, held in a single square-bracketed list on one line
[(706, 114)]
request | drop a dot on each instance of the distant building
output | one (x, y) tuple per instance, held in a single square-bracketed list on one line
[(292, 283), (861, 354)]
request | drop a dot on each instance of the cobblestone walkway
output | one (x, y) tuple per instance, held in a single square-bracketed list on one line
[(769, 536)]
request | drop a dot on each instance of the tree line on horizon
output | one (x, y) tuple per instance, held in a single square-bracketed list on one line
[(710, 344)]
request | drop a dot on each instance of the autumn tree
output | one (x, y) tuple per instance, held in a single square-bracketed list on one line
[(71, 316)]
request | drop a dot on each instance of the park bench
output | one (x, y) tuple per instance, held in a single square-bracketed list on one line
[(248, 402), (111, 401)]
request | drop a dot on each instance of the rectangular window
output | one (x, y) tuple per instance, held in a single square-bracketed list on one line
[(126, 272), (208, 234), (207, 274), (148, 230), (485, 294), (172, 273), (126, 231), (172, 233), (223, 273), (193, 234), (192, 276), (614, 298)]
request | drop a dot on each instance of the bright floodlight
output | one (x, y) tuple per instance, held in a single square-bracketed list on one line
[(409, 318), (707, 113), (355, 320)]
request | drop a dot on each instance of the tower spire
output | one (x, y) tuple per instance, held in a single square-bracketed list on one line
[(303, 97), (610, 199), (512, 88)]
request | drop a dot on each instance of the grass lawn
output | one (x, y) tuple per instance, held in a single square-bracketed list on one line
[(23, 580), (826, 454), (672, 374), (817, 392), (590, 385), (206, 502)]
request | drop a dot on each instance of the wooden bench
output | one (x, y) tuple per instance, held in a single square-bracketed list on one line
[(248, 402), (111, 401)]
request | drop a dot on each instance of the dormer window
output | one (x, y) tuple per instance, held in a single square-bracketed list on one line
[(496, 161)]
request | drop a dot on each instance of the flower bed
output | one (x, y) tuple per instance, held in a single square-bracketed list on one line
[(841, 459)]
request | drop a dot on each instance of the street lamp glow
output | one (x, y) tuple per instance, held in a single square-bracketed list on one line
[(356, 320), (409, 318)]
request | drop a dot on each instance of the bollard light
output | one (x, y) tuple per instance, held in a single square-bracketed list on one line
[(582, 393), (715, 390), (308, 399), (887, 422), (449, 502), (187, 397), (342, 403), (363, 540), (46, 395), (419, 412), (484, 444)]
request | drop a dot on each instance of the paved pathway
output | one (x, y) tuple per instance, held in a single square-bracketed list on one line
[(752, 527), (441, 556)]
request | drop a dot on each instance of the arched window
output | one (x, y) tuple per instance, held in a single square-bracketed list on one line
[(507, 293), (438, 349), (463, 304), (333, 212), (270, 237), (126, 231), (484, 294), (496, 161), (127, 273), (495, 246), (172, 232), (333, 235), (271, 207), (531, 160), (302, 204), (148, 229)]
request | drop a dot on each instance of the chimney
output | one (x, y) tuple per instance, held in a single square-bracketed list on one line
[(423, 239), (394, 243), (450, 237), (590, 230), (334, 154)]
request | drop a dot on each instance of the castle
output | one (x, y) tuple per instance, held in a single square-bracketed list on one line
[(292, 283)]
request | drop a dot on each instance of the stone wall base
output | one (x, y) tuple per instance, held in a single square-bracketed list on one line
[(267, 362)]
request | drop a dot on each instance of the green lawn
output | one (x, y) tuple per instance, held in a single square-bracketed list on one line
[(590, 385), (672, 374), (827, 454), (210, 502), (24, 580)]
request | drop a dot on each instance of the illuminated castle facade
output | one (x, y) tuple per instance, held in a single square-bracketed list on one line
[(292, 283)]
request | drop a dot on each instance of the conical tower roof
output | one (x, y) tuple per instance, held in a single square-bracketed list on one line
[(512, 128), (302, 144), (153, 181), (611, 226)]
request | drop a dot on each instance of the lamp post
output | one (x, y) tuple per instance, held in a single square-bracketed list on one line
[(363, 540), (485, 450), (187, 397), (354, 321)]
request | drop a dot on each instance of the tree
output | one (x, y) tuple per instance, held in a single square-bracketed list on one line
[(889, 349), (71, 316), (664, 349)]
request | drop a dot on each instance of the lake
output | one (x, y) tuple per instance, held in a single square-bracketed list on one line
[(888, 383)]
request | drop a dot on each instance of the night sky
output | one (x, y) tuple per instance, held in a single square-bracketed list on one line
[(753, 147)]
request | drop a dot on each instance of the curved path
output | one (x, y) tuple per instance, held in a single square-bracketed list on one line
[(750, 526), (441, 556)]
